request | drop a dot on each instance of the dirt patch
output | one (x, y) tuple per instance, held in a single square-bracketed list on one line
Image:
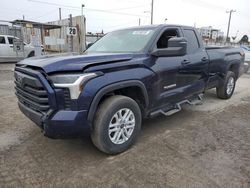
[(197, 147)]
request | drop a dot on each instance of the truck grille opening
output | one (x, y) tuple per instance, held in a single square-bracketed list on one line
[(31, 93), (66, 95)]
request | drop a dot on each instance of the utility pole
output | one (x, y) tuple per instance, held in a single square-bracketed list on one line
[(229, 22), (152, 11), (60, 14), (82, 9), (60, 35), (71, 37), (82, 32), (139, 21)]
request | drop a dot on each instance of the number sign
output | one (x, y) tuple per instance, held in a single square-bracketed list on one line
[(71, 31)]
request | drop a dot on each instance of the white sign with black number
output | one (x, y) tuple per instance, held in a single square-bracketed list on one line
[(71, 31), (18, 45)]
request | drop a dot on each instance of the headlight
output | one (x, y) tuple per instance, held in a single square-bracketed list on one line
[(74, 82)]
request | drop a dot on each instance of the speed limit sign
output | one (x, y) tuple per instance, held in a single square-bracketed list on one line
[(71, 31)]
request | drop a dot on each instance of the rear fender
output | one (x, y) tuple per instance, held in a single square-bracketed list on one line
[(234, 66)]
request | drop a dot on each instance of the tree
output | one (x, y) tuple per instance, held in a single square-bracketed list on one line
[(234, 38), (228, 39), (220, 39), (244, 40)]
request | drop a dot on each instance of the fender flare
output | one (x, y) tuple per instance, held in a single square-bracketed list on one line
[(112, 87), (237, 64)]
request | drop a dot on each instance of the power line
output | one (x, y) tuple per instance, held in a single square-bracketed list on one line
[(207, 5), (45, 14), (54, 4), (89, 9), (112, 12), (128, 8)]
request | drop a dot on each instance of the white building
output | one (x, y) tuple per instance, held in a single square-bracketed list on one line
[(205, 31), (210, 33)]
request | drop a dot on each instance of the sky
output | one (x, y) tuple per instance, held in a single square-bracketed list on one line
[(110, 15)]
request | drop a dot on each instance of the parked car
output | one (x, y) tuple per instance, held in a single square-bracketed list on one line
[(8, 54), (125, 76), (247, 58)]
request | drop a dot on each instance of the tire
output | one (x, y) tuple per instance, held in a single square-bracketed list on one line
[(105, 122), (31, 54), (226, 88)]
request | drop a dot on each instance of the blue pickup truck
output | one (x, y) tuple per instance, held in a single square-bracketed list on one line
[(125, 76)]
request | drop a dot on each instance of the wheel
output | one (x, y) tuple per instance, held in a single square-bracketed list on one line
[(226, 89), (116, 125)]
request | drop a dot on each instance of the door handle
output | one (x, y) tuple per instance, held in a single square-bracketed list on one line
[(204, 59), (185, 62)]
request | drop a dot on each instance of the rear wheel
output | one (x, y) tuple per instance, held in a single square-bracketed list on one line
[(117, 124), (226, 89)]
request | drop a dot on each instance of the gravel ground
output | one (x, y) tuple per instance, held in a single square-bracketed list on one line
[(202, 146)]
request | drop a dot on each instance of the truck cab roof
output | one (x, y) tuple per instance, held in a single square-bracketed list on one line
[(158, 26), (8, 36)]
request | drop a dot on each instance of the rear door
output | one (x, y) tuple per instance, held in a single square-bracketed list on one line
[(193, 73)]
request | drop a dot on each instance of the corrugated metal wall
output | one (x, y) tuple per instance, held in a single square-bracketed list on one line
[(77, 22), (20, 32), (9, 30), (25, 34)]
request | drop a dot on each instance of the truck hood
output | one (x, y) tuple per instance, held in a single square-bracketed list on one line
[(60, 63)]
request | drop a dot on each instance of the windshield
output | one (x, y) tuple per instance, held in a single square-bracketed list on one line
[(129, 40)]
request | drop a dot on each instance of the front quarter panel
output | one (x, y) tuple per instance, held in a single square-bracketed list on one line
[(93, 86)]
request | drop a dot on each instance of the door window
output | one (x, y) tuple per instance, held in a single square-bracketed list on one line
[(10, 39), (166, 35), (2, 40), (192, 41)]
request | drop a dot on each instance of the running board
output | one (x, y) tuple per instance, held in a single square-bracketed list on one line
[(177, 107)]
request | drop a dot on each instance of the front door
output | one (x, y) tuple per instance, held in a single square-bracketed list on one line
[(167, 89), (6, 52), (193, 73)]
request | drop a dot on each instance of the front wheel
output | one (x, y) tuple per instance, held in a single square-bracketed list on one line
[(117, 124), (226, 89)]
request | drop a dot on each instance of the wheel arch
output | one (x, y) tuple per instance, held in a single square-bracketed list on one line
[(31, 53), (235, 68), (116, 87)]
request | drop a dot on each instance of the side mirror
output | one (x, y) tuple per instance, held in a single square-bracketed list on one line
[(176, 47), (89, 44)]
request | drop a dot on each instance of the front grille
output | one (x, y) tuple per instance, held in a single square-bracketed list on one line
[(31, 93), (66, 96)]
